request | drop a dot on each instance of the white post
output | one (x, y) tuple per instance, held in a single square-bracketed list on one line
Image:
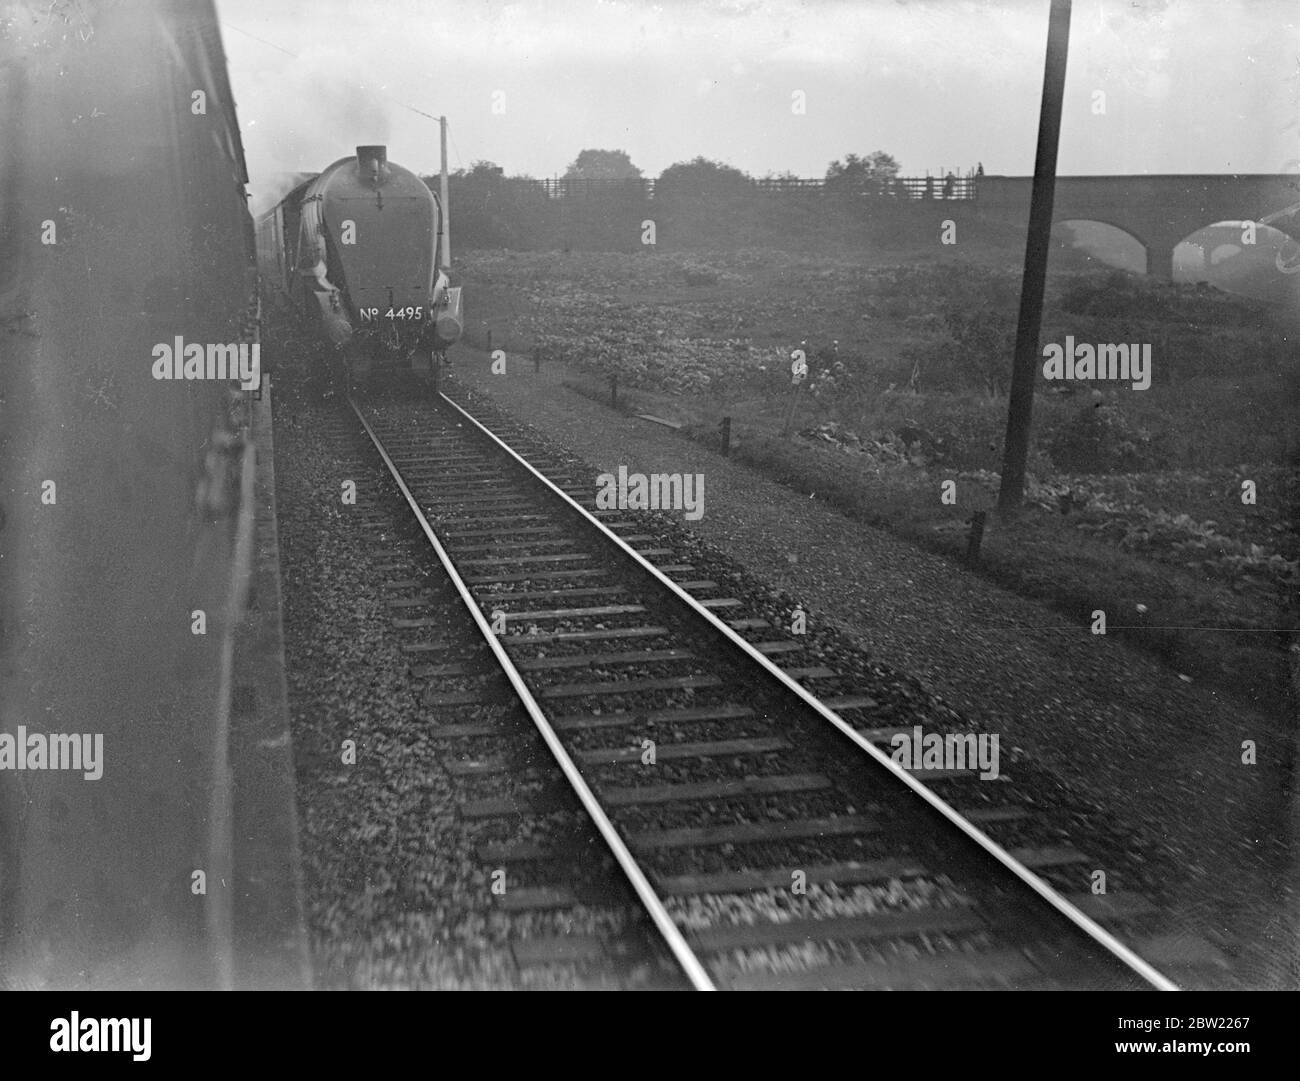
[(442, 194)]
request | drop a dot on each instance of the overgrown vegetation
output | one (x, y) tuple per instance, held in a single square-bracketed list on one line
[(1134, 495)]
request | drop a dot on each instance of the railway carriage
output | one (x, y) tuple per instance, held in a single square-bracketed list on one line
[(122, 174), (358, 250)]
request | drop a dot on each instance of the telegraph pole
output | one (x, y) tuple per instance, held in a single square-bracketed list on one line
[(442, 194), (1025, 366)]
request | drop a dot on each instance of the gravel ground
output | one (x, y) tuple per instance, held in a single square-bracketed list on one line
[(397, 893), (805, 746), (1160, 755)]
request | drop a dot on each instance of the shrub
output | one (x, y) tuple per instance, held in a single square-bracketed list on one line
[(1101, 439), (699, 274)]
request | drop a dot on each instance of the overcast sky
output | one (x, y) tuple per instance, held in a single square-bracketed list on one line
[(1191, 86)]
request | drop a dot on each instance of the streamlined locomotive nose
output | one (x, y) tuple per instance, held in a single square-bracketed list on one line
[(368, 234)]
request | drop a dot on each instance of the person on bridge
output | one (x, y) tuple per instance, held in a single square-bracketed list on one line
[(949, 183)]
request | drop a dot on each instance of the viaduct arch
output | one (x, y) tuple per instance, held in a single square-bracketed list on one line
[(1158, 210)]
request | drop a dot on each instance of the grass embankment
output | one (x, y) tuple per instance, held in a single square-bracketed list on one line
[(1135, 500)]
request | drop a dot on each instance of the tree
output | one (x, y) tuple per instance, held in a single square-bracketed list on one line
[(481, 170), (701, 176), (602, 165), (855, 174), (491, 210)]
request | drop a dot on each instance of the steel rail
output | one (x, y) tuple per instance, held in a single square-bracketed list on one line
[(1081, 920), (645, 892)]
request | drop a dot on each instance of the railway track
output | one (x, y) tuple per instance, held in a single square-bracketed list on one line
[(743, 788)]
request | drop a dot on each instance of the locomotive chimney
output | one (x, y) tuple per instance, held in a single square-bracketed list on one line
[(372, 162)]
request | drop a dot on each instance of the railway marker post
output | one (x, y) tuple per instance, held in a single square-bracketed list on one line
[(613, 391)]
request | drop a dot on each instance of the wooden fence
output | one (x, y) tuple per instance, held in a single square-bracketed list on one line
[(903, 187)]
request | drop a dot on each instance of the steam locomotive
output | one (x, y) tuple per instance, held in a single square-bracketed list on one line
[(366, 264)]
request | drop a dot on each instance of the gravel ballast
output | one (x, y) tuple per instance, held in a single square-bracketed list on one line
[(1158, 756), (398, 892)]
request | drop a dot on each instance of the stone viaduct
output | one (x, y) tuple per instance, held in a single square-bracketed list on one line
[(1159, 211)]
